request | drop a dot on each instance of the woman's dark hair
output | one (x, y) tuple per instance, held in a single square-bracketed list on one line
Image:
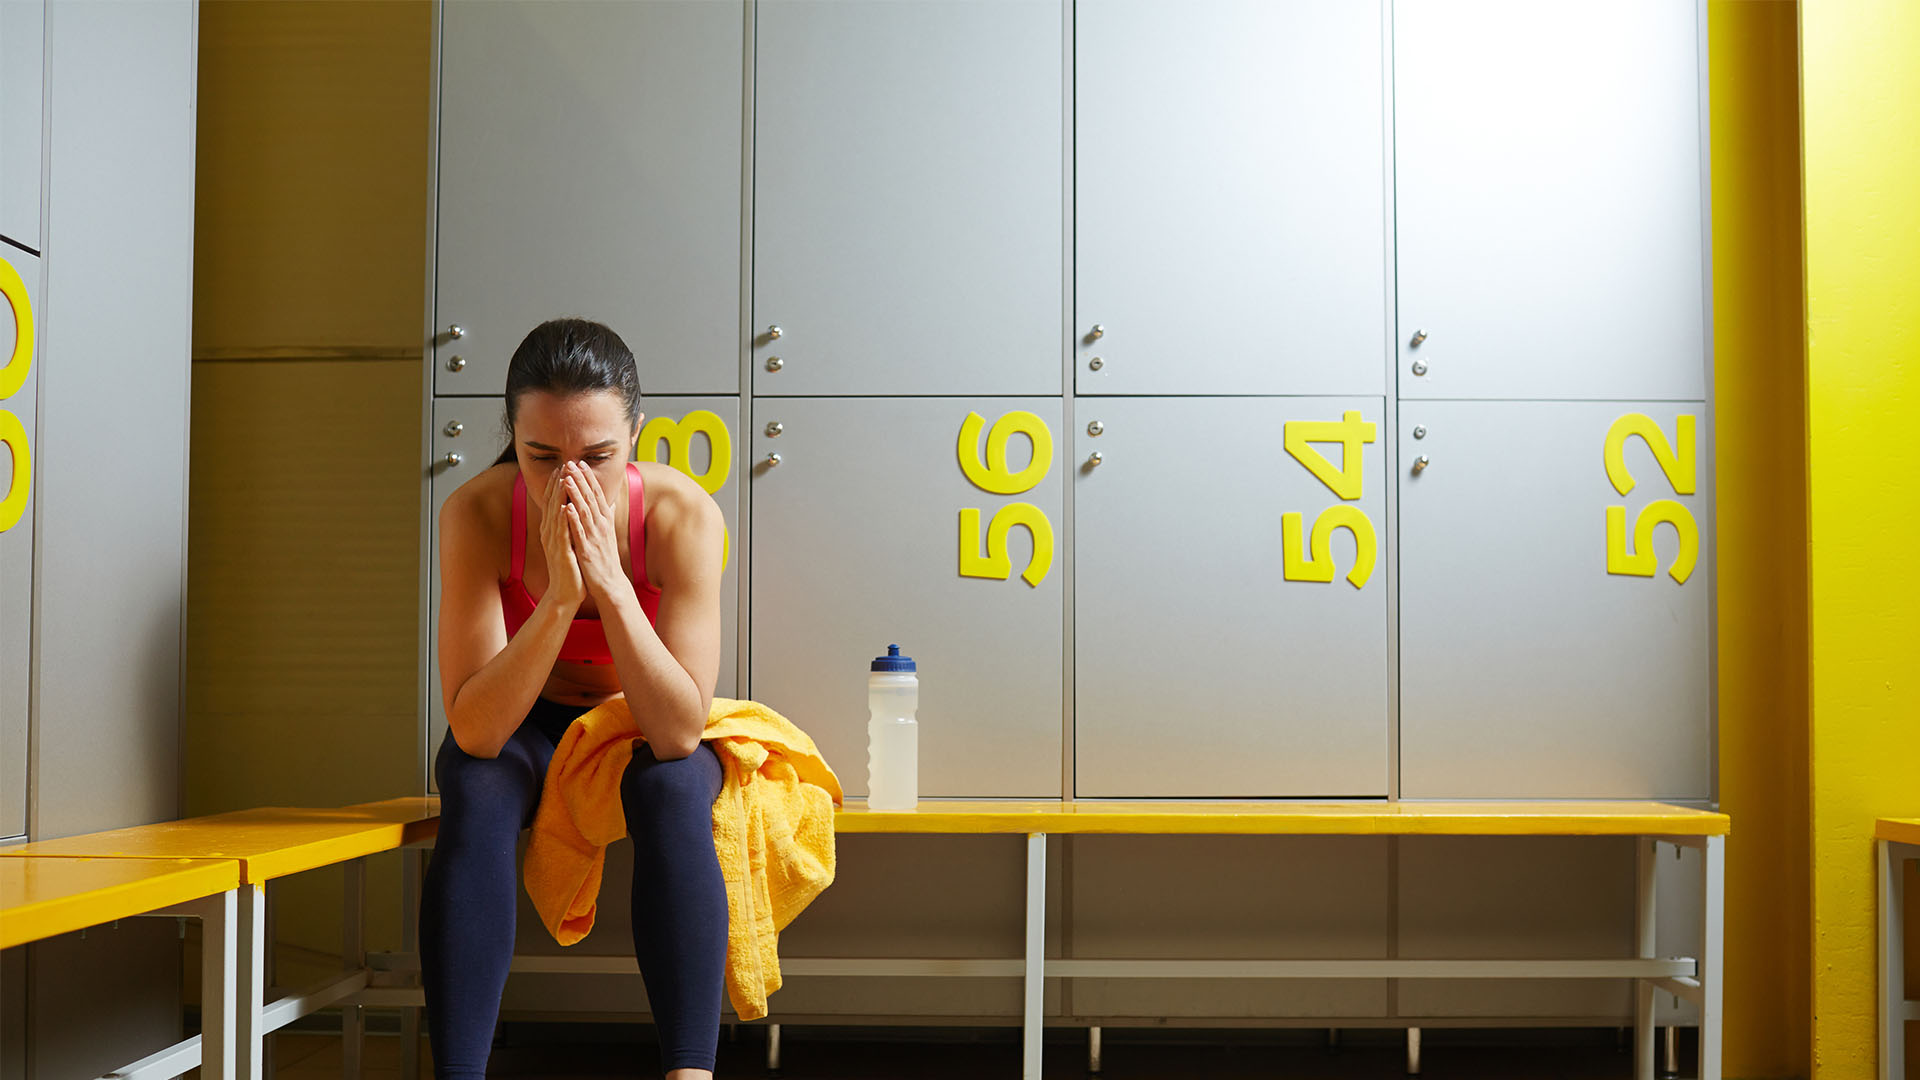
[(570, 356)]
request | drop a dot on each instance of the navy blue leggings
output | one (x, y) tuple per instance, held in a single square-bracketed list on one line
[(469, 896)]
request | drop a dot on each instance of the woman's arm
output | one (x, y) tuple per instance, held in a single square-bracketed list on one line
[(667, 669), (487, 682)]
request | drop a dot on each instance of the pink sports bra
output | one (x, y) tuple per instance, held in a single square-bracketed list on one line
[(586, 641)]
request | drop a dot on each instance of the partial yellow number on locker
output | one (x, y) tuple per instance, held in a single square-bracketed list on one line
[(20, 357), (14, 435), (1346, 481), (1677, 461), (678, 435), (988, 557), (1320, 567)]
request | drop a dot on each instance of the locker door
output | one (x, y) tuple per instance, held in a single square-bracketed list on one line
[(589, 164), (859, 537), (694, 434), (1548, 178), (22, 55), (1527, 668), (908, 175), (16, 535), (1231, 206), (1204, 664)]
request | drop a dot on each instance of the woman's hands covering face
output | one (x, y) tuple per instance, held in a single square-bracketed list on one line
[(590, 521), (565, 583)]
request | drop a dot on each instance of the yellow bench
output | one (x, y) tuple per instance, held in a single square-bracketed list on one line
[(41, 897), (263, 844), (1695, 979), (1898, 842)]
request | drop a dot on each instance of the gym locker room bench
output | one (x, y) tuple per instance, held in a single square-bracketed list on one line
[(273, 842), (231, 857), (1696, 979)]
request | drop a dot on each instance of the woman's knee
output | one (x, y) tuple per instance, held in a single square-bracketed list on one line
[(689, 782), (470, 787)]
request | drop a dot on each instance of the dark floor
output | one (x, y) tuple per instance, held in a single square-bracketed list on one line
[(591, 1052)]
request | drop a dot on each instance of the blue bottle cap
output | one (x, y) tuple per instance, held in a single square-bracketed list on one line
[(893, 661)]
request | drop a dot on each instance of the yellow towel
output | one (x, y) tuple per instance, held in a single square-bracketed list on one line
[(772, 830)]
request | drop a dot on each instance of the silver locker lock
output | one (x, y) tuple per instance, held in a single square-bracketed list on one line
[(773, 458), (452, 460), (1096, 333), (774, 429), (1419, 367), (456, 332), (773, 333), (456, 363), (1418, 337), (1095, 428), (1096, 363), (1420, 431), (1094, 459), (1420, 464), (774, 363), (454, 428)]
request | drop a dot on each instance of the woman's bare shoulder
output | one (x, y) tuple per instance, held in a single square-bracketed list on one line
[(482, 501), (672, 496)]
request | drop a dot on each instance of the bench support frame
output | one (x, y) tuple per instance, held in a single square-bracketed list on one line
[(1891, 858)]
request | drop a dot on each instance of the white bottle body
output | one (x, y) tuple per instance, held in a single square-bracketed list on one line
[(893, 740)]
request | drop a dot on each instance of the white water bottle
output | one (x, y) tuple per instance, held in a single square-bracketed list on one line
[(893, 736)]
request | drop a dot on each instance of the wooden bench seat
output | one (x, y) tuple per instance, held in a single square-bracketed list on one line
[(43, 896), (269, 842), (257, 846), (1286, 818)]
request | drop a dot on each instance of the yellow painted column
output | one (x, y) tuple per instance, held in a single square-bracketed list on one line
[(1760, 451), (1860, 131)]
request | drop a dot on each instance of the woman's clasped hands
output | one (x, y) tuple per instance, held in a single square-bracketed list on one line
[(591, 542)]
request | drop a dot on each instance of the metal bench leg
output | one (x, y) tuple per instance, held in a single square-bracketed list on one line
[(412, 868), (1891, 870), (1093, 1049), (773, 1048), (219, 977), (1031, 1024), (250, 981), (1644, 927), (1713, 871), (1413, 1051), (353, 954)]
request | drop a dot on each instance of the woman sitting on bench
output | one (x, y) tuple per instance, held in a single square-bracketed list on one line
[(549, 606)]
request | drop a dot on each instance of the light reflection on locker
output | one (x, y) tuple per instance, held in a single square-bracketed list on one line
[(1231, 205), (1550, 239)]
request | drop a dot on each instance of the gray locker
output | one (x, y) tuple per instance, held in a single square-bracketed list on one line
[(1549, 182), (590, 164), (908, 183), (854, 548), (22, 65), (482, 435), (1231, 204), (1203, 666), (16, 558), (1527, 668)]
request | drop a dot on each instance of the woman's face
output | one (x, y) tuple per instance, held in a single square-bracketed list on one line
[(551, 430)]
